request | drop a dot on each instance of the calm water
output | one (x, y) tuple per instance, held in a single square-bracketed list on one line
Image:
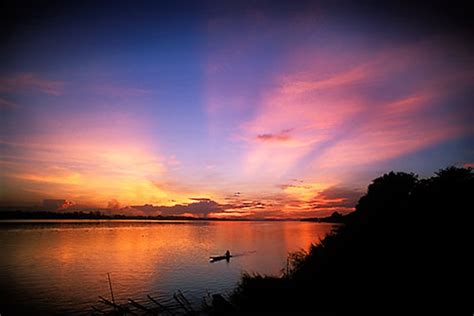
[(61, 266)]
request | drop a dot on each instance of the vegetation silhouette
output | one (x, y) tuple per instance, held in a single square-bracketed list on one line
[(335, 217), (391, 255), (96, 215)]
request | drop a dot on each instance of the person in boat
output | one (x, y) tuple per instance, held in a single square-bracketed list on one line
[(227, 254)]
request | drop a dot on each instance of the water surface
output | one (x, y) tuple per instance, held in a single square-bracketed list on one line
[(61, 266)]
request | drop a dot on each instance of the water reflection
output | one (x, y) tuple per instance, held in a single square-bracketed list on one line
[(62, 266)]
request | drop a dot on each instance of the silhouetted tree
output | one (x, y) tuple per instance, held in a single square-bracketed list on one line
[(391, 255)]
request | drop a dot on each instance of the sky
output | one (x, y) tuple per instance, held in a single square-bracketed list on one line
[(258, 109)]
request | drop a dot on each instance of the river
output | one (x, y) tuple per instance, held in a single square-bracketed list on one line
[(61, 266)]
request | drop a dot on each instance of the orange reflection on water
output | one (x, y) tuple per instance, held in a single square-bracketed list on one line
[(63, 266)]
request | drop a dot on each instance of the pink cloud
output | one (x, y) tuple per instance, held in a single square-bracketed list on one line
[(394, 129), (4, 103), (118, 91), (326, 108), (343, 118), (31, 82), (282, 136)]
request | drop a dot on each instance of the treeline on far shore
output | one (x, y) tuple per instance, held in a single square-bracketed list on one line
[(91, 215), (335, 217), (12, 214), (20, 214)]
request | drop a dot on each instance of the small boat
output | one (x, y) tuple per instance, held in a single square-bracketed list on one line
[(219, 258), (227, 256)]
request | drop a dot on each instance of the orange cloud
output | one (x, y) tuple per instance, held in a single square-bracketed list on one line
[(87, 160), (87, 173)]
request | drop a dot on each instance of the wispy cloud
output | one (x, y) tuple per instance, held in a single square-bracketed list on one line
[(85, 162), (282, 136), (261, 100), (4, 103), (31, 82), (384, 105), (91, 174), (117, 90)]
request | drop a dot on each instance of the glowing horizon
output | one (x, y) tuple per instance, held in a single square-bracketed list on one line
[(228, 112)]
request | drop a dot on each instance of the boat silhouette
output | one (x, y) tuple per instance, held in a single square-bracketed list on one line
[(227, 257)]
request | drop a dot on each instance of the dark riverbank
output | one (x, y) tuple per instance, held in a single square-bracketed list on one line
[(392, 255)]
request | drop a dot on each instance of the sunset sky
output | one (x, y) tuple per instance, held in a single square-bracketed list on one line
[(255, 109)]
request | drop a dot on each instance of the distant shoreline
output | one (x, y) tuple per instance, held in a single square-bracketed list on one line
[(96, 215)]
